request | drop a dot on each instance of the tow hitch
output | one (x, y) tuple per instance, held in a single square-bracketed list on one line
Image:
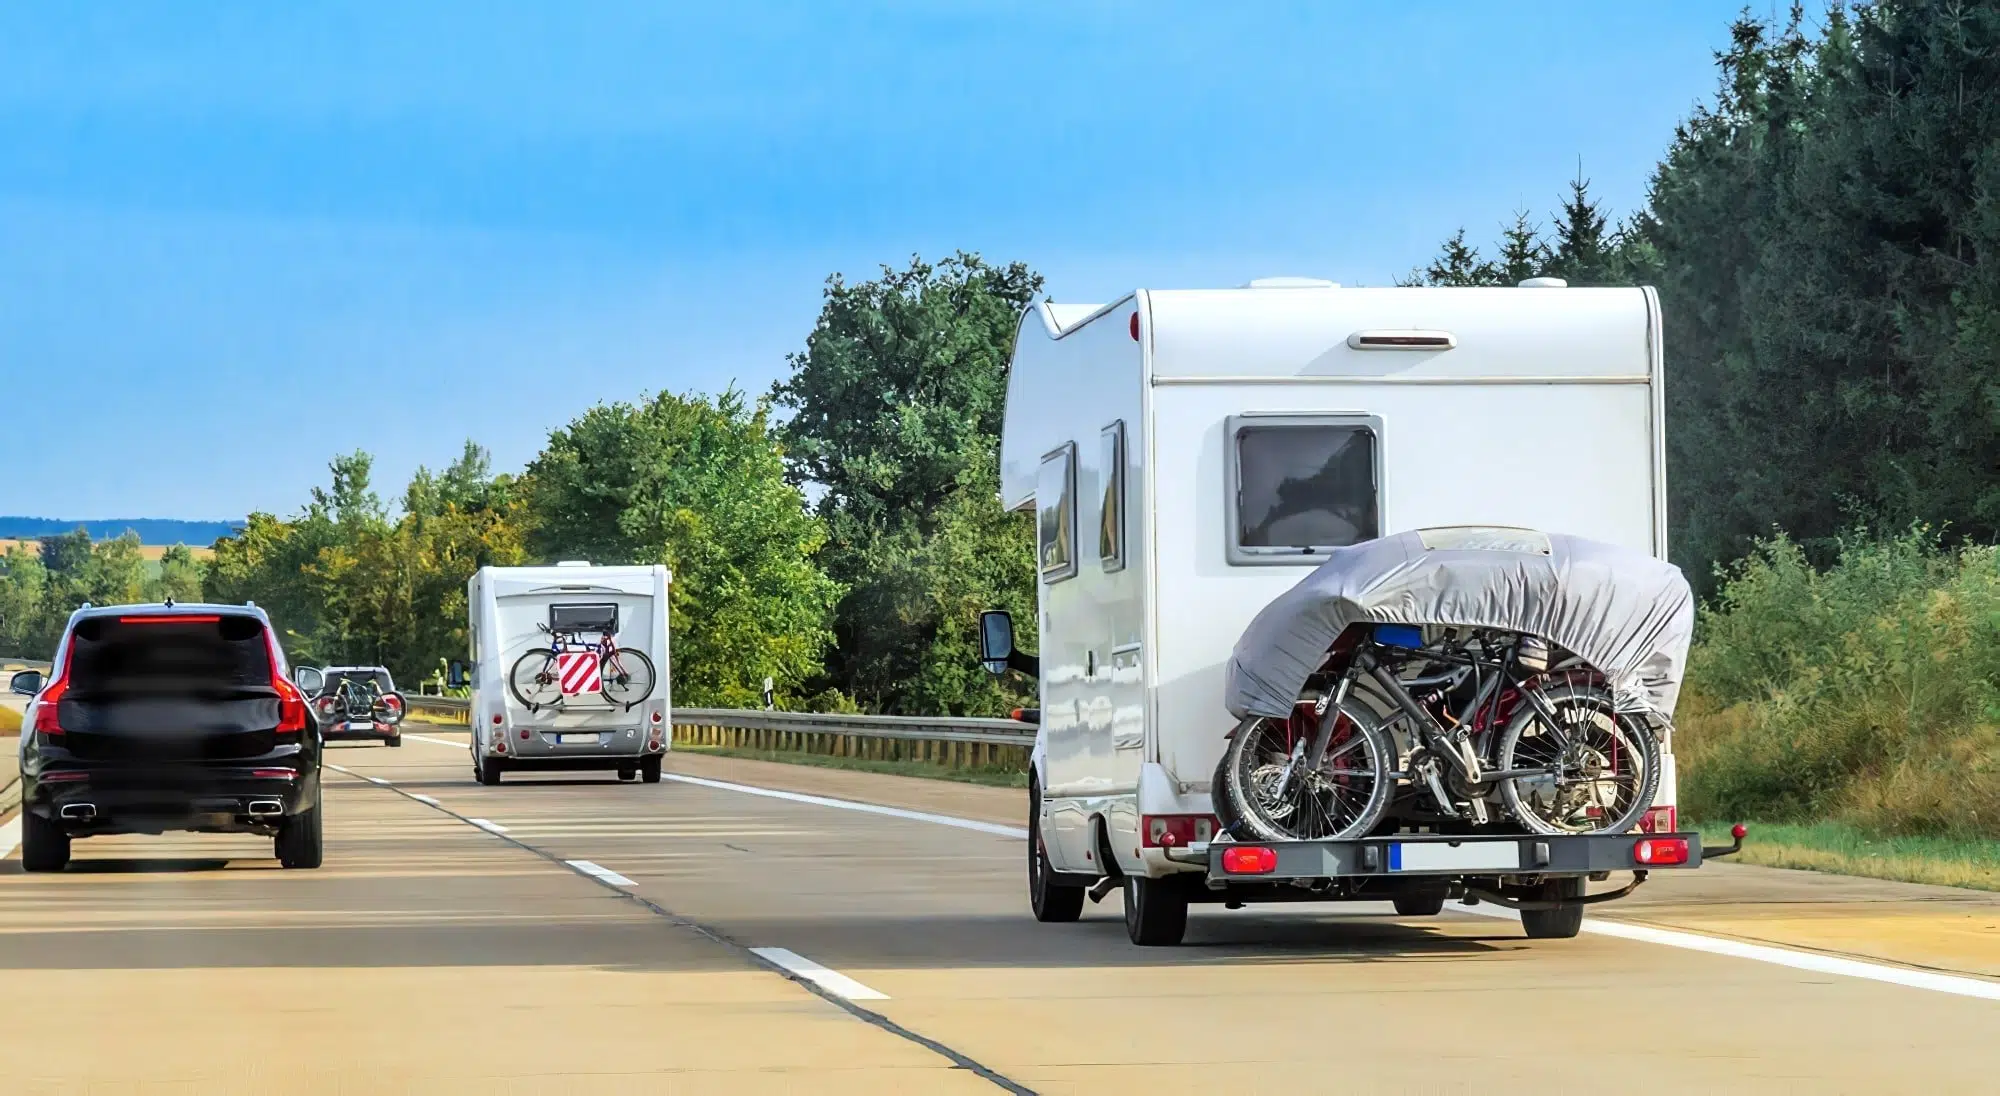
[(1736, 833)]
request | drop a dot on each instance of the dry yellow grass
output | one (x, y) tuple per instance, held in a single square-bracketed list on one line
[(147, 551), (10, 723)]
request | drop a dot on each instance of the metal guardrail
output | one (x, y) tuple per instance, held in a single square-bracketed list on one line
[(955, 742)]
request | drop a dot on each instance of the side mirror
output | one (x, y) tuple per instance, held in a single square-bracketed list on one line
[(454, 675), (26, 683), (996, 640), (310, 680)]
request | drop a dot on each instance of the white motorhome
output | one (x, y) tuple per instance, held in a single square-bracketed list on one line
[(558, 658), (1188, 452)]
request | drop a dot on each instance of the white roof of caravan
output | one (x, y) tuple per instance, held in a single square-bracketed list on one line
[(1288, 333), (571, 578)]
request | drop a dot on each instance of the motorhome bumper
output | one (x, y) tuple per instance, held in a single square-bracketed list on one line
[(1456, 857)]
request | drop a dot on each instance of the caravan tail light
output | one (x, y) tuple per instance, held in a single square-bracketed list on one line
[(656, 717), (1167, 831), (497, 718), (1249, 860), (1661, 850), (1659, 820)]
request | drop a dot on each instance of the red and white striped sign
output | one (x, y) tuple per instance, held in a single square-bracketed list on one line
[(578, 672)]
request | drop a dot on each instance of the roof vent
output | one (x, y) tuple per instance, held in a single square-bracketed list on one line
[(1290, 283), (573, 563), (1544, 283)]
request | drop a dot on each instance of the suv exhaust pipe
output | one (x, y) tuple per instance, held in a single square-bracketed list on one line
[(265, 808), (79, 812)]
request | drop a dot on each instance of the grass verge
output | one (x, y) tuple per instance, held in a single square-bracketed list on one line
[(993, 778), (1841, 849)]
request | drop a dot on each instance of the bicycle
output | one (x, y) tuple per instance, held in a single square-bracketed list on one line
[(623, 676)]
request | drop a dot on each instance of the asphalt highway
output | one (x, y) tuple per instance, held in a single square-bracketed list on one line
[(732, 930)]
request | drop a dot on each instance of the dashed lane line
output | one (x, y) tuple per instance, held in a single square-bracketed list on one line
[(831, 980), (817, 986)]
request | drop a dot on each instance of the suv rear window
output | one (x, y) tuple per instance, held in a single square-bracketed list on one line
[(336, 678), (169, 653)]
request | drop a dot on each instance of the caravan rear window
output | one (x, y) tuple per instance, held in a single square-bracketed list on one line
[(1303, 484)]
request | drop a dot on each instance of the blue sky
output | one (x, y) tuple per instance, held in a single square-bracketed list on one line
[(220, 222)]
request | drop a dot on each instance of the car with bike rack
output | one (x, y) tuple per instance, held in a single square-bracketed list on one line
[(354, 702), (568, 670), (1221, 446)]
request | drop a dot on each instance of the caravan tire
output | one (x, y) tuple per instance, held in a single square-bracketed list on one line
[(488, 771), (1052, 902), (649, 769), (1156, 911), (1561, 923)]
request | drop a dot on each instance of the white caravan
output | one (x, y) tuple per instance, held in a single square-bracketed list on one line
[(1188, 452), (543, 645)]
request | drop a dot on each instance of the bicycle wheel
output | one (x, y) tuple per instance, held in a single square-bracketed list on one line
[(627, 677), (1605, 764), (1344, 797), (533, 679)]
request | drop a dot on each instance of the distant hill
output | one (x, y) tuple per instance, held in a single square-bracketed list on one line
[(161, 531)]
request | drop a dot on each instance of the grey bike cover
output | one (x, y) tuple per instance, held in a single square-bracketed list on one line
[(1626, 613)]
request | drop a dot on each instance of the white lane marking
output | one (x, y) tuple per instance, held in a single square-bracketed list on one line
[(850, 805), (435, 741), (376, 780), (491, 827), (1785, 957), (10, 836), (1824, 964), (830, 980), (599, 872), (341, 769), (424, 799)]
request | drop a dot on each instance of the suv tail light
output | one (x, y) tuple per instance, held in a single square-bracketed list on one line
[(291, 702), (47, 720)]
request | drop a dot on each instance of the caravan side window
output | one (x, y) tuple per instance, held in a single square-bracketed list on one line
[(1111, 516), (1303, 484), (1055, 514)]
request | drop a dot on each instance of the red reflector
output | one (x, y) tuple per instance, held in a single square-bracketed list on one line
[(496, 719), (1661, 850), (500, 745), (177, 618), (1171, 830), (274, 774), (64, 778), (1249, 860), (1135, 327), (524, 734), (656, 717)]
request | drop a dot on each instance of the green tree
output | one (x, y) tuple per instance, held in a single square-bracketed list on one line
[(1457, 264), (897, 403), (179, 577), (28, 626), (1584, 244), (699, 486)]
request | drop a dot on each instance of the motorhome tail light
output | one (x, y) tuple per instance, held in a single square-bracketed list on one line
[(1166, 831), (496, 719), (1401, 340), (499, 745), (1134, 327), (1249, 860), (1659, 820), (1661, 850), (656, 717)]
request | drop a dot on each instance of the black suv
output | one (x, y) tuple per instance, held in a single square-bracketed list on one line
[(167, 717)]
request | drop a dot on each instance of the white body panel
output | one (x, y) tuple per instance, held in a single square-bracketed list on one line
[(506, 606), (1544, 413)]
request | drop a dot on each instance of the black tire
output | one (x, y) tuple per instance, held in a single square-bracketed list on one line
[(1254, 821), (487, 769), (628, 772), (649, 769), (393, 741), (1524, 796), (44, 844), (1052, 902), (535, 669), (1561, 923), (1156, 911), (640, 678), (1419, 905), (300, 843)]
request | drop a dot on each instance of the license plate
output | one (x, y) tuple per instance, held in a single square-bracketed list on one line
[(577, 739), (1439, 856), (361, 726)]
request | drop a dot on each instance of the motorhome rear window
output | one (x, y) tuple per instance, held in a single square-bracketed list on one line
[(584, 618), (1055, 514), (1111, 514), (1303, 486)]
